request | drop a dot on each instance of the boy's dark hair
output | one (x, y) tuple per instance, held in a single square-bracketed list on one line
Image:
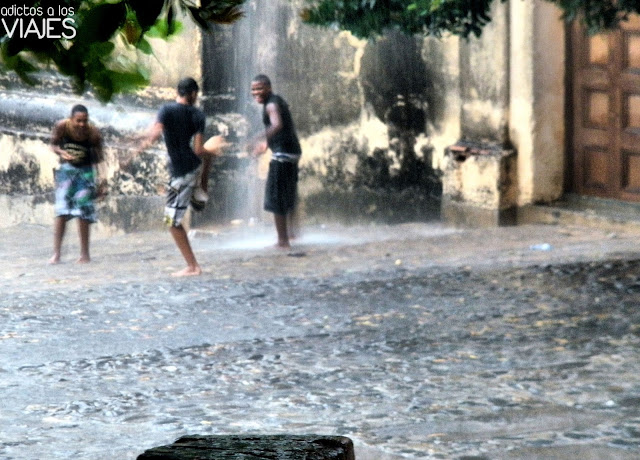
[(78, 108), (187, 86), (262, 78)]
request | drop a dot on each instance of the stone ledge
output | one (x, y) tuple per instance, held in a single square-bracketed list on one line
[(222, 447), (469, 215), (554, 214), (479, 185)]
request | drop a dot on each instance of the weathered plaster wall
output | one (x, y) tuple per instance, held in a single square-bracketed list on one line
[(401, 100), (25, 166), (316, 70), (347, 96), (27, 163), (444, 56), (537, 100), (479, 180), (512, 90), (506, 87), (484, 64), (27, 181)]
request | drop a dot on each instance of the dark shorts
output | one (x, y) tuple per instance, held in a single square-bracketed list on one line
[(281, 191)]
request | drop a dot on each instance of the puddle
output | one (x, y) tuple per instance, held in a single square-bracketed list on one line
[(246, 239), (263, 236), (572, 452)]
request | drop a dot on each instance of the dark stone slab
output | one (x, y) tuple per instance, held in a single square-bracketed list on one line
[(256, 447)]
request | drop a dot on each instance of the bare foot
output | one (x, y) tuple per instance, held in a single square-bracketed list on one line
[(55, 259), (83, 260), (282, 246), (188, 271)]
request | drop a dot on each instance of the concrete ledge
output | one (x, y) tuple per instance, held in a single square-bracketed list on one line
[(558, 215), (115, 214), (466, 215), (479, 185), (132, 213), (226, 447)]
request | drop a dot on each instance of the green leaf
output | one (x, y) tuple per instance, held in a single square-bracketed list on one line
[(144, 46), (19, 65), (100, 50), (147, 11), (161, 29), (128, 81), (101, 22)]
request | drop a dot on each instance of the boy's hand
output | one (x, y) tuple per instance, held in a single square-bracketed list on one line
[(259, 148), (215, 145), (66, 156), (101, 190)]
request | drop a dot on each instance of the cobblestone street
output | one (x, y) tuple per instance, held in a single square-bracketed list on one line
[(416, 341)]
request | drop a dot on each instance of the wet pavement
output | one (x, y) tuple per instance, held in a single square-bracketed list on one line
[(416, 341)]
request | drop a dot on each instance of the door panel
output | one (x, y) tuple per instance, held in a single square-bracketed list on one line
[(606, 108), (596, 168)]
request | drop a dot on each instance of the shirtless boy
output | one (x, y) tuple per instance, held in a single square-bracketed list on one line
[(79, 146)]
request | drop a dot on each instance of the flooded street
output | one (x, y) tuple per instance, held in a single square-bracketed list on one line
[(416, 341)]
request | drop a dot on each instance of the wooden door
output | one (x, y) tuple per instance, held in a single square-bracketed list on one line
[(606, 112)]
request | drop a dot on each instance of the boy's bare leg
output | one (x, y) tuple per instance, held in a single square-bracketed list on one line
[(182, 241), (59, 226), (84, 229), (204, 172), (293, 224), (281, 229)]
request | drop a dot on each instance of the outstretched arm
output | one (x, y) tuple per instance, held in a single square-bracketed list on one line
[(151, 136), (141, 142)]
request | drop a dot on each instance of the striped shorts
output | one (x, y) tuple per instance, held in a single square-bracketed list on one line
[(75, 192), (178, 198)]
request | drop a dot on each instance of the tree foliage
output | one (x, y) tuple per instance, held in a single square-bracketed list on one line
[(78, 37), (368, 18), (87, 52), (597, 15)]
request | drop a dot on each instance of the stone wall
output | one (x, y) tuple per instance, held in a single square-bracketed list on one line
[(410, 97), (375, 117), (27, 163), (537, 99), (388, 99), (513, 94)]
